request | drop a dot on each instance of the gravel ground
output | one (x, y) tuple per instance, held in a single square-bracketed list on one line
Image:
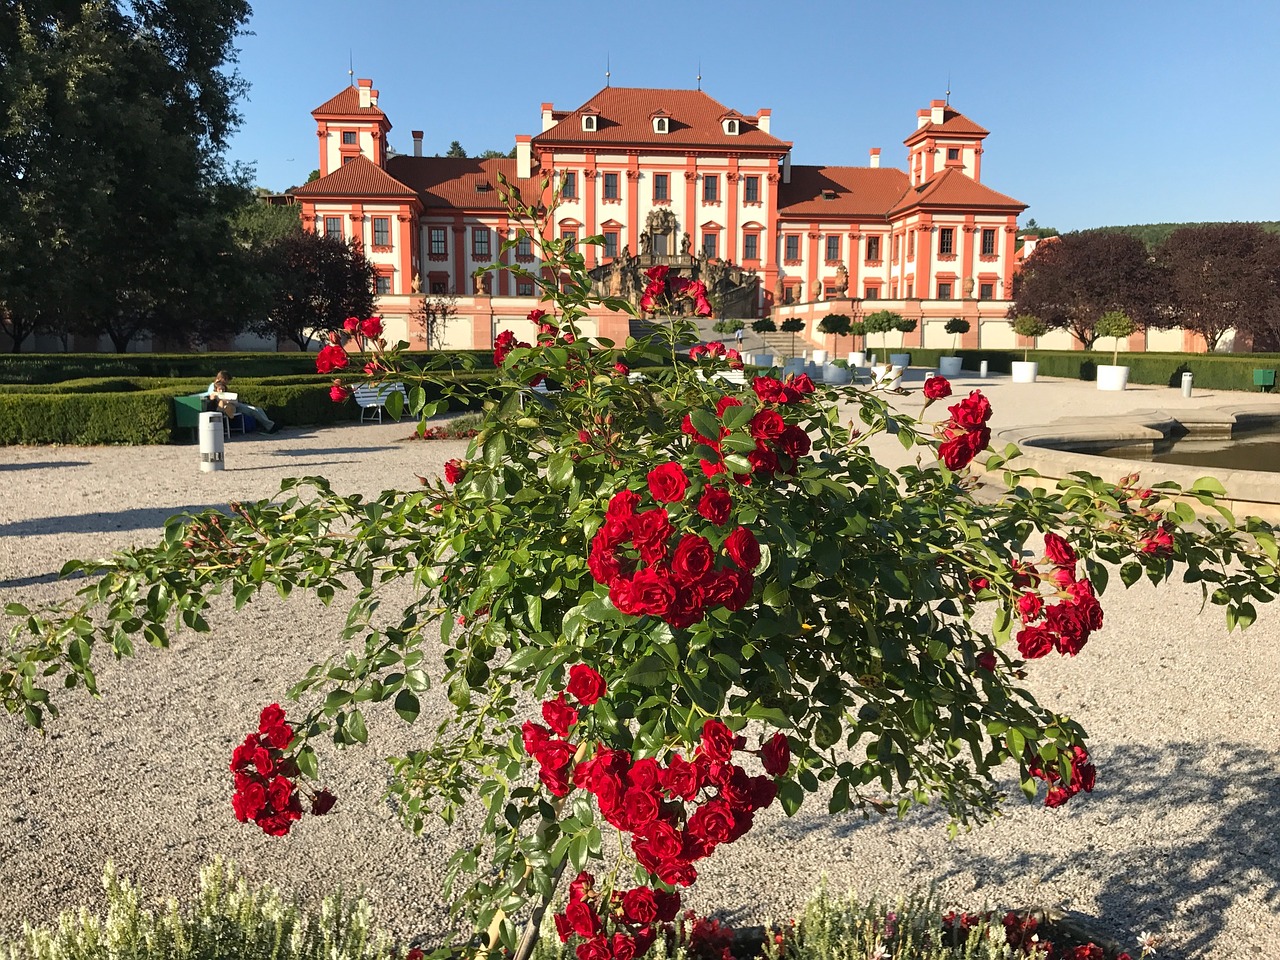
[(1181, 836)]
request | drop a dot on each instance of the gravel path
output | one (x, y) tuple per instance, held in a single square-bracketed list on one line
[(1181, 836)]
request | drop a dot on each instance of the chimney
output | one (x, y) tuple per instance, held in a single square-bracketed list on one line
[(524, 156), (417, 142), (936, 110), (875, 157), (786, 167), (547, 122), (922, 117), (763, 118), (373, 98), (366, 91)]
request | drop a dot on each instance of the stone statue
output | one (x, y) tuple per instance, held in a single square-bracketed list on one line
[(615, 278), (686, 245), (842, 280), (968, 288), (416, 287), (482, 285), (646, 244)]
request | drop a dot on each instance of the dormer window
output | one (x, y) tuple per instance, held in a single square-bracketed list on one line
[(828, 194), (483, 186), (588, 123), (660, 125), (730, 127)]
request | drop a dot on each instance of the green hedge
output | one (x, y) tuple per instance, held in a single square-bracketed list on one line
[(1217, 371), (140, 410), (33, 368)]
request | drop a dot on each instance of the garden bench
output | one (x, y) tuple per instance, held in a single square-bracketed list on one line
[(372, 399), (187, 410)]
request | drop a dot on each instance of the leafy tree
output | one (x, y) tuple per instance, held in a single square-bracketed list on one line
[(112, 148), (881, 322), (727, 325), (1030, 326), (498, 154), (956, 326), (313, 175), (430, 314), (835, 323), (258, 224), (792, 326), (319, 281), (1117, 324), (1035, 229), (455, 150), (1222, 277), (764, 325), (858, 329), (1072, 282)]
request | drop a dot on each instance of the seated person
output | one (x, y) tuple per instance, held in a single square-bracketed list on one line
[(230, 408)]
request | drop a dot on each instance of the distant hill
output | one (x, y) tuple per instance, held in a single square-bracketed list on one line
[(1154, 234)]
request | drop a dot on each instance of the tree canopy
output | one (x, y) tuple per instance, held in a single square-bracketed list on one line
[(1073, 281), (316, 282), (115, 192)]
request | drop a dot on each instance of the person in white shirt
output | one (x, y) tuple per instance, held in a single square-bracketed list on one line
[(230, 408)]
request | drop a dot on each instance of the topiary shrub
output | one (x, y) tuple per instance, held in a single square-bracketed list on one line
[(1116, 324), (1032, 327)]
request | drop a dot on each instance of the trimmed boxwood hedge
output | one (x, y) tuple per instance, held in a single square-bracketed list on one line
[(59, 367), (1217, 371), (140, 410)]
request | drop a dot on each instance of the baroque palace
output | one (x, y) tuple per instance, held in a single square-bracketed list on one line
[(675, 177)]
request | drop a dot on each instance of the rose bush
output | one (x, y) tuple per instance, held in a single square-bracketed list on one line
[(675, 567)]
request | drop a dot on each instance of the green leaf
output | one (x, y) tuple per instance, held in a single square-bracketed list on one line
[(355, 726), (648, 671), (394, 404), (335, 701), (1208, 485), (16, 610), (1017, 743), (706, 424), (559, 470), (407, 706), (791, 796)]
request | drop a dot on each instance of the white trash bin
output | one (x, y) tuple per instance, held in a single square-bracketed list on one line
[(211, 443)]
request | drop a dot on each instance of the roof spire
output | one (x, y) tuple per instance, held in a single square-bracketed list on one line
[(607, 73), (351, 73), (699, 73), (948, 100)]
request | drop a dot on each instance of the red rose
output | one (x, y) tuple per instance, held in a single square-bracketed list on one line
[(351, 324), (623, 947), (372, 327), (678, 873), (767, 425), (338, 393), (1058, 551), (534, 737), (801, 384), (971, 412), (620, 369), (564, 929), (639, 905), (653, 593), (555, 755), (656, 274), (622, 596), (718, 741), (662, 839), (668, 905), (279, 736), (776, 755), (1056, 797), (651, 530), (1065, 620), (585, 685), (331, 357), (1034, 642), (762, 459), (536, 315), (249, 802), (681, 779), (957, 452), (597, 948), (987, 660), (280, 793), (936, 388), (712, 822), (453, 471), (794, 442), (741, 583), (555, 780), (1030, 606), (271, 716), (582, 918), (762, 792), (559, 715), (668, 483), (322, 803), (742, 548), (603, 563), (769, 390), (978, 584), (688, 607), (639, 808), (693, 558), (715, 505)]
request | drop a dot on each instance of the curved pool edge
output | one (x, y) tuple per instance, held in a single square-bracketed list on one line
[(1058, 449)]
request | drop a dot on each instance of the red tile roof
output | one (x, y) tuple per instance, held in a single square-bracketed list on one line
[(454, 182), (954, 123), (626, 118), (864, 192), (359, 178), (346, 104), (951, 188)]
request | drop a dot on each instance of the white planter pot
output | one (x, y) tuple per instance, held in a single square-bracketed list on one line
[(794, 367), (820, 357), (835, 375), (1112, 378), (949, 366), (858, 358), (1024, 371), (902, 360)]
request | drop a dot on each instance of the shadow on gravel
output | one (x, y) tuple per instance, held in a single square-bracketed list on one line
[(43, 465), (1221, 805), (327, 451), (140, 518), (289, 466)]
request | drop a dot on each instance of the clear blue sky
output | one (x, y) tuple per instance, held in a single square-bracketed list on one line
[(1129, 111)]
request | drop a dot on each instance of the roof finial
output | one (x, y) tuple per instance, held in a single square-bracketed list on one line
[(948, 101), (607, 72), (699, 73), (351, 72)]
